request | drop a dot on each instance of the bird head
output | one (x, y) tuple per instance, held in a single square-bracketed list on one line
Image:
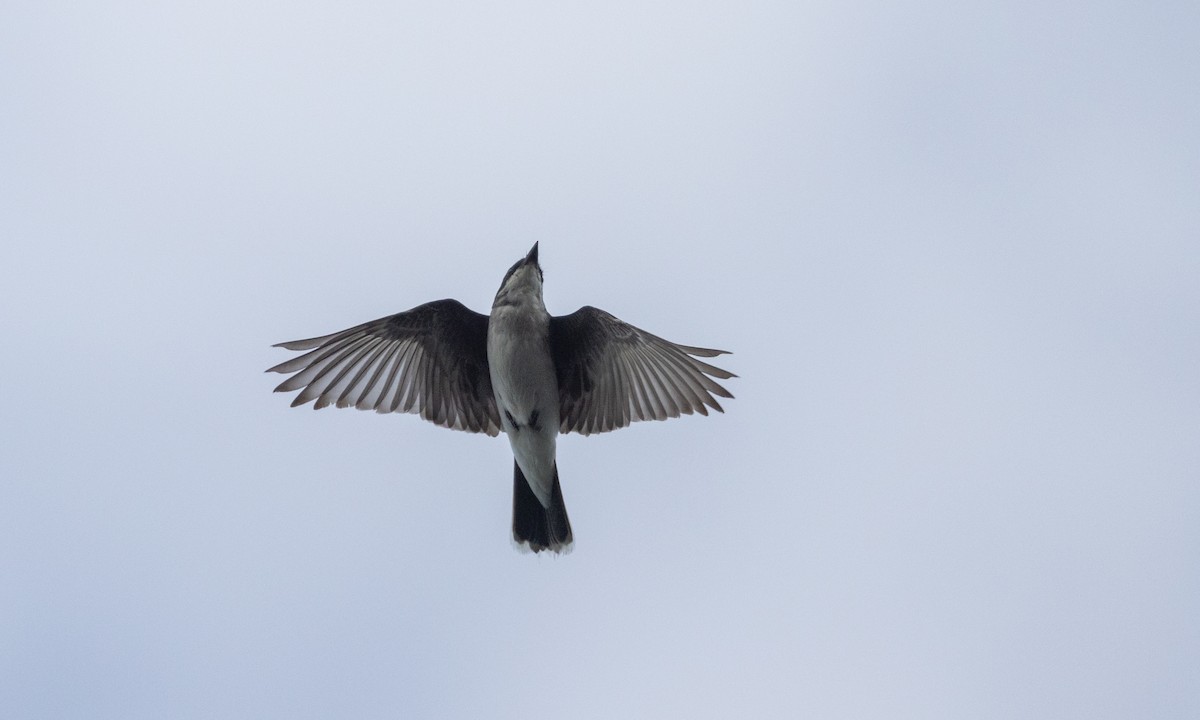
[(524, 278)]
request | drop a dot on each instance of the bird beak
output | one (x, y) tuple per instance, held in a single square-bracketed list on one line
[(532, 256)]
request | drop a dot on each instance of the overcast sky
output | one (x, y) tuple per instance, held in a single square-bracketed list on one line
[(954, 248)]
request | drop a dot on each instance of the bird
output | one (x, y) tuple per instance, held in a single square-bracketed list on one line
[(517, 371)]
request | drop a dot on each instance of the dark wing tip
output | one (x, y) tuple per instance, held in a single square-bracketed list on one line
[(299, 344), (702, 352)]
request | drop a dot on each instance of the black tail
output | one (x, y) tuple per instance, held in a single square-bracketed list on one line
[(540, 527)]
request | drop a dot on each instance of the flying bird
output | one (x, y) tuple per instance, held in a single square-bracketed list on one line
[(519, 371)]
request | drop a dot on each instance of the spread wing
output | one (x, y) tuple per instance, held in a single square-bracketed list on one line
[(611, 374), (431, 360)]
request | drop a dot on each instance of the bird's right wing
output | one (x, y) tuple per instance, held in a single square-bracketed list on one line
[(431, 360), (610, 374)]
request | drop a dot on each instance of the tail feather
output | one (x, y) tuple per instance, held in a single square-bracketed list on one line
[(540, 528)]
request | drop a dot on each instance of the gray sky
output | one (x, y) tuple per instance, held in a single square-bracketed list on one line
[(954, 248)]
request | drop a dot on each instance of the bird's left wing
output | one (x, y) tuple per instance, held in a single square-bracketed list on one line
[(611, 373), (431, 360)]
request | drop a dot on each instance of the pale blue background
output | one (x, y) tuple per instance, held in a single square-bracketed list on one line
[(954, 246)]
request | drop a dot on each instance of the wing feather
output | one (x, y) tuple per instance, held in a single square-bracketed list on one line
[(611, 373), (431, 360)]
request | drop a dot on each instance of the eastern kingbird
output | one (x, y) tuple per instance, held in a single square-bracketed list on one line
[(519, 371)]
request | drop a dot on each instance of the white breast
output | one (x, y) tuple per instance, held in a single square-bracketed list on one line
[(526, 387)]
